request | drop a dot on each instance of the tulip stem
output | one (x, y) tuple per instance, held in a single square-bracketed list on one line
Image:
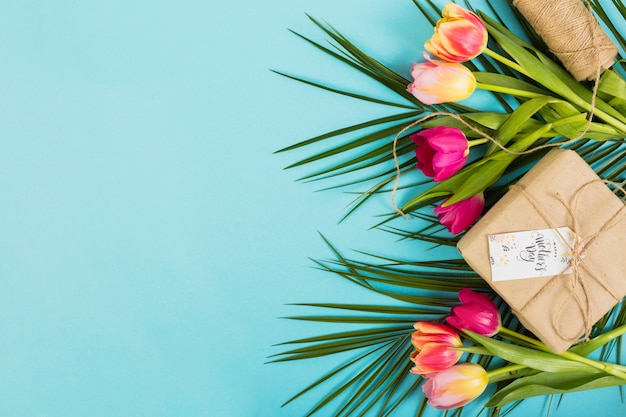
[(605, 338), (617, 124), (605, 367), (506, 90), (509, 63), (476, 142), (504, 373), (508, 332)]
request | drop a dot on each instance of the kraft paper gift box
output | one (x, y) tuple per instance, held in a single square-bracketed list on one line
[(514, 247)]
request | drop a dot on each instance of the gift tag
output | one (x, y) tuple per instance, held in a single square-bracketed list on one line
[(531, 254)]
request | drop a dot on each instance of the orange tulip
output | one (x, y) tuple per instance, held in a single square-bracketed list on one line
[(434, 347), (441, 82), (459, 36), (456, 386)]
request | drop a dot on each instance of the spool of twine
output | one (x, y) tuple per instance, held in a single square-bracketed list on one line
[(572, 33)]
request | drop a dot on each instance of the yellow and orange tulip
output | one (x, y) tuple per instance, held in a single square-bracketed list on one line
[(459, 36), (434, 347), (456, 386), (437, 82), (477, 313)]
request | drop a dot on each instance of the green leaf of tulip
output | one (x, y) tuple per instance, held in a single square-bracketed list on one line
[(517, 119), (612, 85), (543, 361), (550, 383)]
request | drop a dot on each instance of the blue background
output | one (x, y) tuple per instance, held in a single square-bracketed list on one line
[(149, 238)]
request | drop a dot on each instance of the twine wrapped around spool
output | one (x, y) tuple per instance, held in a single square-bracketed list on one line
[(572, 33)]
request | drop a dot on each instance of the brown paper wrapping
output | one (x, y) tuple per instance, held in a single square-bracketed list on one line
[(541, 304)]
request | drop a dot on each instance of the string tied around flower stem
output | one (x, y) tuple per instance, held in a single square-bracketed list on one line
[(578, 268)]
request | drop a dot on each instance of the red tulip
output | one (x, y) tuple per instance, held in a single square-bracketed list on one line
[(434, 343), (459, 216), (441, 151), (459, 36), (477, 313), (441, 82), (456, 386)]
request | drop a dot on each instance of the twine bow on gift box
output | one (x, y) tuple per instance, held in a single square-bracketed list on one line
[(578, 249)]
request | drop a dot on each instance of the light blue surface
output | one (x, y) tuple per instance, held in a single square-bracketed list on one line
[(149, 238)]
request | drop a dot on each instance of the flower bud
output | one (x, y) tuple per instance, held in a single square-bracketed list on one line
[(441, 151), (459, 36), (456, 386), (441, 82), (434, 347), (459, 216), (477, 313)]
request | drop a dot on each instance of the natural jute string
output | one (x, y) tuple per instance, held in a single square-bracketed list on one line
[(578, 249), (572, 33)]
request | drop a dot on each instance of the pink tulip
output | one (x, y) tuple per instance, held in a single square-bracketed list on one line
[(459, 36), (459, 216), (434, 343), (456, 386), (477, 313), (441, 151), (441, 82)]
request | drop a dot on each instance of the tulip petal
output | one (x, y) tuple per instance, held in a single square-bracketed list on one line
[(435, 355), (459, 216), (467, 296), (459, 36), (434, 344), (433, 327), (455, 321), (449, 140), (430, 332), (471, 210), (441, 151), (455, 386), (482, 321), (446, 165), (477, 313), (424, 154), (439, 82)]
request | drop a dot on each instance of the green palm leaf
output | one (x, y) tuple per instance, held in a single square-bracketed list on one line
[(376, 379)]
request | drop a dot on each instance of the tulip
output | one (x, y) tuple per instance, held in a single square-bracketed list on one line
[(459, 216), (456, 386), (434, 347), (441, 82), (459, 36), (441, 151), (477, 313)]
